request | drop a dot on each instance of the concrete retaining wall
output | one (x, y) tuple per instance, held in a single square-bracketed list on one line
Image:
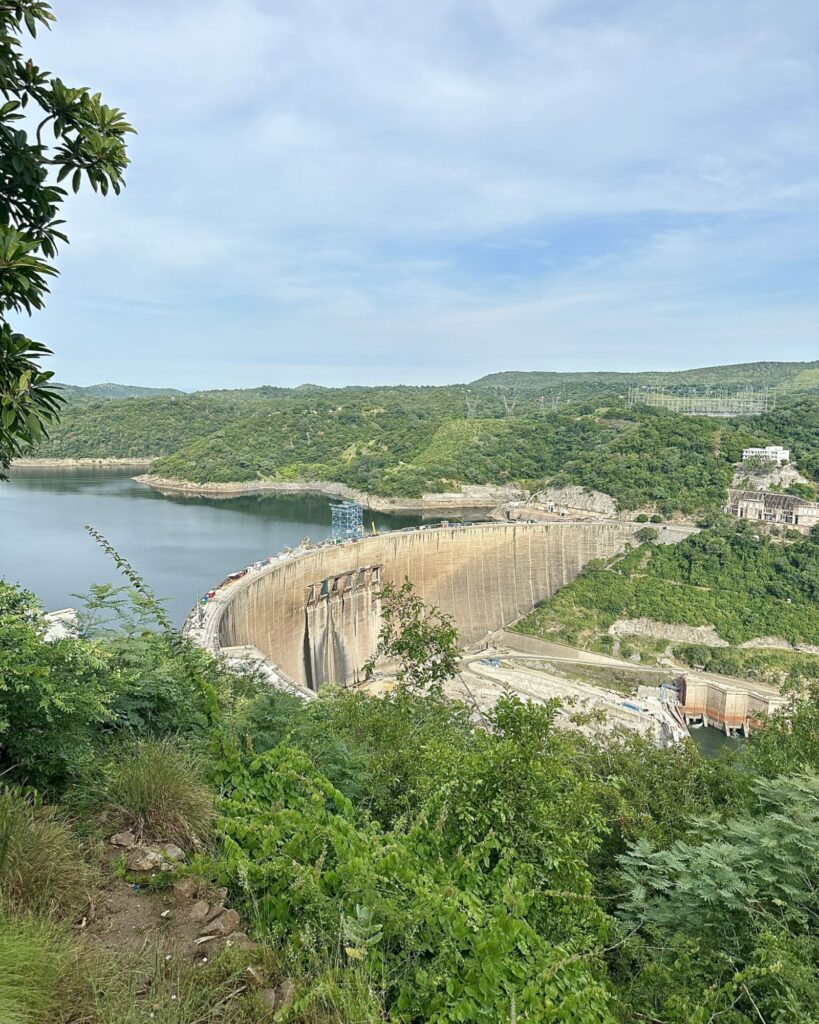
[(317, 616)]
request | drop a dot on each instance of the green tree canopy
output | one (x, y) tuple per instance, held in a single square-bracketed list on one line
[(49, 132)]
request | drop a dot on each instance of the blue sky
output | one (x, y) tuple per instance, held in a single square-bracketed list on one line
[(349, 191)]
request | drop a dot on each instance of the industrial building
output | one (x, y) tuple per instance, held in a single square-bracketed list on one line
[(774, 508)]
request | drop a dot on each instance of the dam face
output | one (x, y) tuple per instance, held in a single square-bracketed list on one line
[(317, 616)]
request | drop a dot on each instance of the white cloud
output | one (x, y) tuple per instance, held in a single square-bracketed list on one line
[(338, 175)]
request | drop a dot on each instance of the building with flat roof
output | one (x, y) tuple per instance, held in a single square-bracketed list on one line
[(774, 508), (773, 452)]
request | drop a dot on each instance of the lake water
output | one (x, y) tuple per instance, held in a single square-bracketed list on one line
[(180, 545)]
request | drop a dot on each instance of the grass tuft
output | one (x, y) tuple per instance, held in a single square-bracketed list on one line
[(41, 862), (32, 956), (160, 791)]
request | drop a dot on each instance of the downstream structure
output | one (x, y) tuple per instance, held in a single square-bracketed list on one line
[(315, 613)]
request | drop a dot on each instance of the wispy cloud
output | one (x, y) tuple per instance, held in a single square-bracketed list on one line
[(427, 191)]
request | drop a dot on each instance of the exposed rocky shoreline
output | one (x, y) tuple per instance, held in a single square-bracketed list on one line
[(135, 463), (471, 498)]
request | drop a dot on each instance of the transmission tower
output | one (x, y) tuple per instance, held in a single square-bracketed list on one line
[(471, 405), (509, 403)]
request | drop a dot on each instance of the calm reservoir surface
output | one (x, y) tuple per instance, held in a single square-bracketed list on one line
[(181, 546)]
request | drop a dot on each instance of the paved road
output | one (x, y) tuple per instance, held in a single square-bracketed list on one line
[(556, 652)]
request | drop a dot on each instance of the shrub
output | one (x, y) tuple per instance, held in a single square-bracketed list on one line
[(160, 790), (41, 862), (53, 696), (32, 954)]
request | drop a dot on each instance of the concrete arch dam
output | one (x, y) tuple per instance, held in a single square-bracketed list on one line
[(317, 616)]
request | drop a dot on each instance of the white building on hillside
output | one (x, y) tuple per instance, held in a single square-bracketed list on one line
[(772, 452)]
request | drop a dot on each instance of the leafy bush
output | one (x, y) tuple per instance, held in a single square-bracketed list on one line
[(744, 890), (41, 862), (159, 787), (466, 928), (53, 696)]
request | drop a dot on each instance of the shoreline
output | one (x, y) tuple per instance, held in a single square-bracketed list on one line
[(135, 462), (472, 498)]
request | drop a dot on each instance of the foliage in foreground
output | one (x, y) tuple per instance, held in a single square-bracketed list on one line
[(479, 901), (402, 863), (32, 959), (48, 132), (41, 862)]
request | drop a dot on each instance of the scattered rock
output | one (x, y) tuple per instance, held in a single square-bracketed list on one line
[(286, 991), (215, 910), (269, 998), (165, 914), (254, 977), (279, 996), (186, 888), (242, 941), (199, 911), (124, 839), (225, 924), (141, 859), (220, 895), (173, 853)]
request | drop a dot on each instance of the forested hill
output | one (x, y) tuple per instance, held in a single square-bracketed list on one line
[(785, 377), (405, 441), (71, 392)]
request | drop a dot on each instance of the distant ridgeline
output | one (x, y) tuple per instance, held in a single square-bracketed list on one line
[(527, 428), (109, 390)]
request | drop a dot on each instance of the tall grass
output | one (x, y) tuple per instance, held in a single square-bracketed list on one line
[(49, 976), (175, 991), (160, 790), (41, 861), (32, 957)]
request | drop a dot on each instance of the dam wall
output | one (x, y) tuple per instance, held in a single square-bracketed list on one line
[(317, 616)]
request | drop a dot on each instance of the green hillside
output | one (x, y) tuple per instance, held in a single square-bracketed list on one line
[(406, 441), (784, 376), (743, 585), (113, 391)]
